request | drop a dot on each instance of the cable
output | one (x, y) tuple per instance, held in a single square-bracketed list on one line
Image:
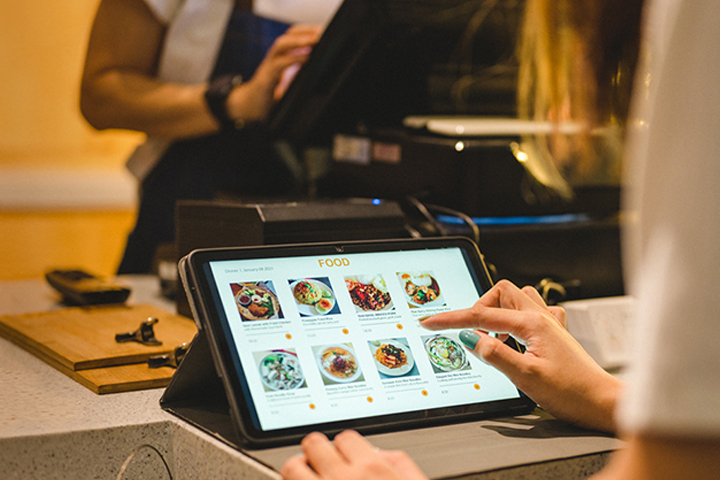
[(134, 453), (413, 232), (425, 211), (428, 216), (466, 218)]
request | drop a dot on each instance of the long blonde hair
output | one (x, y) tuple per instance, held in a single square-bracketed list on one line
[(577, 62)]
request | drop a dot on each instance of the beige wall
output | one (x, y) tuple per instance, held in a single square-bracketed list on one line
[(43, 136)]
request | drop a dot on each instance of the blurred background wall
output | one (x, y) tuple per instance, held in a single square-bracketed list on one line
[(65, 197)]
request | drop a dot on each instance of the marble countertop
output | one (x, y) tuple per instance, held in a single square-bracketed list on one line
[(52, 427)]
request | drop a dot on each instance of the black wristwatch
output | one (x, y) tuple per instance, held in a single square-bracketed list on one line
[(216, 97)]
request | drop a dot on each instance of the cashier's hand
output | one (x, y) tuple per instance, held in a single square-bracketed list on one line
[(555, 371), (350, 457), (252, 101)]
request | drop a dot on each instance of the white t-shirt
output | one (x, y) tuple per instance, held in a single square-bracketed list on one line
[(673, 251)]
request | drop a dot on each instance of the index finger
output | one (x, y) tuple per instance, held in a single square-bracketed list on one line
[(498, 320), (502, 309), (322, 455), (295, 38), (353, 446), (305, 28)]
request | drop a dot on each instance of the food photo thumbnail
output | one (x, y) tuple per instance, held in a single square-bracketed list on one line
[(314, 297), (445, 354), (338, 363), (256, 301), (280, 370), (421, 289), (369, 293), (393, 358)]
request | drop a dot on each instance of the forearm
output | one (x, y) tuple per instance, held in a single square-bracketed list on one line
[(120, 88), (134, 101)]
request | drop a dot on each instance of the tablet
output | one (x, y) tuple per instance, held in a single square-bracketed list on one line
[(328, 337)]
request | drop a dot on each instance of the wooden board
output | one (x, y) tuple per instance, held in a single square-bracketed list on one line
[(123, 378), (84, 338)]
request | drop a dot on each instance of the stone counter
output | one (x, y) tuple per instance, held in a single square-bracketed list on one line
[(52, 427)]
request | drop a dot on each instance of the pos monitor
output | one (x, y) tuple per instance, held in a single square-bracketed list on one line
[(381, 60)]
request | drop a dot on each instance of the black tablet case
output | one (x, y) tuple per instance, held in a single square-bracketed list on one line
[(196, 394)]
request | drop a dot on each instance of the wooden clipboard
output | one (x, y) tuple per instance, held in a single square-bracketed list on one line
[(80, 342)]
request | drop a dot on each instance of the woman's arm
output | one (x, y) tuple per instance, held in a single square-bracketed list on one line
[(120, 88)]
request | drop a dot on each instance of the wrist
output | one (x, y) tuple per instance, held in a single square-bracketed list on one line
[(216, 98), (606, 401), (249, 104), (237, 106)]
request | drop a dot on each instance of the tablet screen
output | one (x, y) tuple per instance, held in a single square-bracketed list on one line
[(320, 339)]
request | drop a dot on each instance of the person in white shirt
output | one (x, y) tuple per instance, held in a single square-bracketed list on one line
[(669, 411), (196, 76)]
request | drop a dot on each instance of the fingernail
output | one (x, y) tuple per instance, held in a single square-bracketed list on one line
[(422, 319), (469, 338)]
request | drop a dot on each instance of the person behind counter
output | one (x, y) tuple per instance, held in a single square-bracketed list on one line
[(191, 74), (669, 411)]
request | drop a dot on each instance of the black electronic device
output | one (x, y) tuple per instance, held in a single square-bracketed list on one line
[(214, 224), (379, 61), (79, 287), (299, 338), (381, 72), (481, 179), (580, 253)]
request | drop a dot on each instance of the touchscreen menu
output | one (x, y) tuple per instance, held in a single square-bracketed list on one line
[(332, 338)]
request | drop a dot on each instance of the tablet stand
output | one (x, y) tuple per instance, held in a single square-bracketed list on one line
[(196, 394)]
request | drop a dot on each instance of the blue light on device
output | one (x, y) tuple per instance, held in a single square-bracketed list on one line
[(376, 201), (495, 221)]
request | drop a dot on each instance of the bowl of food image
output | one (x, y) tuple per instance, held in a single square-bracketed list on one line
[(421, 289), (368, 293), (280, 370), (445, 353), (338, 363), (313, 297), (392, 358), (256, 303)]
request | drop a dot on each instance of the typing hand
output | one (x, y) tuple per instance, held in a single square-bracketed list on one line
[(349, 457)]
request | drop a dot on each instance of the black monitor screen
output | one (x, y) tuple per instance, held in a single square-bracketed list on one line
[(381, 60)]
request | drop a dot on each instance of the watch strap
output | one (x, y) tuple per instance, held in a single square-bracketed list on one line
[(216, 97)]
